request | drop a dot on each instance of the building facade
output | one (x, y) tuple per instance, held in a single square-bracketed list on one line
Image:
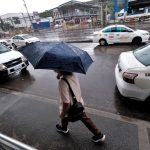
[(138, 6), (75, 11), (17, 20)]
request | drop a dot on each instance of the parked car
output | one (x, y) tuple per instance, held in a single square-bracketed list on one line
[(22, 40), (6, 42), (11, 61), (120, 34), (132, 73), (57, 26)]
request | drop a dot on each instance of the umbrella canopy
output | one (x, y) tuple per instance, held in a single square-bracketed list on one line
[(57, 56)]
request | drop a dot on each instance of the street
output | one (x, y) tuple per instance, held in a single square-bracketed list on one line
[(35, 110), (98, 86), (29, 113)]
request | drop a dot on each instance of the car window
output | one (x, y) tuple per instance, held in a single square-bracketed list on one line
[(107, 30), (118, 29), (15, 38), (20, 38), (110, 29), (122, 29), (27, 36), (143, 55), (3, 49), (113, 29)]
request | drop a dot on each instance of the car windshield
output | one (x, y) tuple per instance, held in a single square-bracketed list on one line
[(143, 55), (3, 49), (27, 36)]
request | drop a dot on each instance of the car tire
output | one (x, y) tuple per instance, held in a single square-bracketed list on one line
[(14, 46), (137, 40), (102, 42), (142, 19)]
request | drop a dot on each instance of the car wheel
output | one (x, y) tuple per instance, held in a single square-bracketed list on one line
[(137, 40), (142, 19), (102, 42), (14, 46)]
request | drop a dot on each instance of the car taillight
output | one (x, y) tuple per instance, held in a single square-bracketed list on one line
[(129, 77)]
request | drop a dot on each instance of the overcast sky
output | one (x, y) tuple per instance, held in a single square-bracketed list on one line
[(16, 6)]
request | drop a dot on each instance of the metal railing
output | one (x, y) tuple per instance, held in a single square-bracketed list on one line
[(7, 143)]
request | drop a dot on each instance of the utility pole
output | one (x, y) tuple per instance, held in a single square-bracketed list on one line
[(101, 11), (106, 12), (27, 11), (116, 9)]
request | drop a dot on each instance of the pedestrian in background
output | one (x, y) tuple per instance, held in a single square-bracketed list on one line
[(66, 101)]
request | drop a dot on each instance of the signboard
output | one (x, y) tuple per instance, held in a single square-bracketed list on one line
[(120, 4)]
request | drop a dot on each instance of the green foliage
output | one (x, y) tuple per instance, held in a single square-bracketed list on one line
[(46, 13), (110, 5)]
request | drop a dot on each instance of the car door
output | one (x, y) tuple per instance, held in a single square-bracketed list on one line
[(123, 34), (109, 34), (15, 40), (21, 41)]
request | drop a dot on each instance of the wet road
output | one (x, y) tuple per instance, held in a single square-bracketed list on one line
[(98, 86)]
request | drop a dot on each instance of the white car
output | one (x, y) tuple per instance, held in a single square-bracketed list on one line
[(22, 40), (132, 74), (6, 42), (120, 34), (11, 61), (57, 26)]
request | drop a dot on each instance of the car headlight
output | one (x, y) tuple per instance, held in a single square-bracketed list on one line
[(2, 67), (145, 33), (23, 58)]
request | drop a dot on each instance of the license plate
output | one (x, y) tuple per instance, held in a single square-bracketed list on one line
[(17, 67)]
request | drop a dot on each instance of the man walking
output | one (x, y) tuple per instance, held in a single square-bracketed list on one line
[(66, 101)]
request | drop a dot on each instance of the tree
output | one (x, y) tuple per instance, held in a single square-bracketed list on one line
[(45, 14)]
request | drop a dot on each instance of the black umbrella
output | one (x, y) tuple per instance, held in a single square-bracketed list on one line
[(57, 56)]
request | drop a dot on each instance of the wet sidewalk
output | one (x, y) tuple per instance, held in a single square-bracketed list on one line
[(31, 119)]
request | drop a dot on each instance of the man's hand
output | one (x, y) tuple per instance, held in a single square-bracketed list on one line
[(62, 115), (66, 107)]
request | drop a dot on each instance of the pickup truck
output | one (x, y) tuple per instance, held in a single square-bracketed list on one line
[(11, 61), (140, 16)]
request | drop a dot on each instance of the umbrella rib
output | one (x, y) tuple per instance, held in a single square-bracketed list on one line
[(39, 61), (82, 66), (44, 54)]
